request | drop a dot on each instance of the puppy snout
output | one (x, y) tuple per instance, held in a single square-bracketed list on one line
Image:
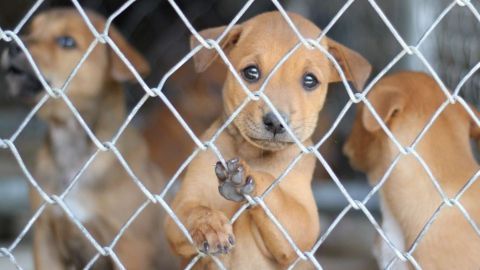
[(14, 49), (272, 124), (347, 150)]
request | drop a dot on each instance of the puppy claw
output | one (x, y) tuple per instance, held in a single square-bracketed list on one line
[(210, 231), (231, 240), (232, 164), (220, 171), (248, 187), (206, 247)]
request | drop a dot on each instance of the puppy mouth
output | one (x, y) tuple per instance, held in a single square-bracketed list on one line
[(12, 70), (272, 139), (22, 83), (262, 136), (272, 143)]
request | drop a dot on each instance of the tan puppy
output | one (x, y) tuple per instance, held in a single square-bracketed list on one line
[(406, 101), (104, 197), (198, 99), (259, 149)]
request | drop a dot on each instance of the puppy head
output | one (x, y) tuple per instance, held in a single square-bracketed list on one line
[(368, 144), (57, 40), (405, 102), (297, 89)]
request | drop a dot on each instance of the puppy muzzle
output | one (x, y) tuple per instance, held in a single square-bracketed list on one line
[(270, 134), (21, 79)]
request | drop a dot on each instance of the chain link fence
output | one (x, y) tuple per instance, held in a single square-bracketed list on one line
[(156, 91)]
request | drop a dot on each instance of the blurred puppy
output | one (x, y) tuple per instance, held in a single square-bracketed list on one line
[(405, 102), (105, 196), (198, 99), (259, 148)]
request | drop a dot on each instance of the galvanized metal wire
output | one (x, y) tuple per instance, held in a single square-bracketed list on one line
[(9, 143)]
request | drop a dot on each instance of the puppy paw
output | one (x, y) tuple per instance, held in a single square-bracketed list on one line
[(234, 180), (212, 233)]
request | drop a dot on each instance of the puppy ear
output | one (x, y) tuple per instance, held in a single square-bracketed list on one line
[(386, 102), (205, 57), (356, 68), (474, 128), (119, 70)]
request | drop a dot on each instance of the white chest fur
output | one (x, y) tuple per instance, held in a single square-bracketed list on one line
[(70, 150), (383, 253)]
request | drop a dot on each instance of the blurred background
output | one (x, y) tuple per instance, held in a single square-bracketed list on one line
[(155, 29)]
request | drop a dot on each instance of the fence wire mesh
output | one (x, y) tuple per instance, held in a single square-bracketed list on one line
[(451, 97)]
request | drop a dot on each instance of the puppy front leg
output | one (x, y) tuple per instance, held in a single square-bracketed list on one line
[(302, 225), (46, 255), (210, 230)]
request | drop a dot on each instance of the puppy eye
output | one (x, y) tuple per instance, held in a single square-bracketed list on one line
[(251, 73), (66, 42), (309, 81)]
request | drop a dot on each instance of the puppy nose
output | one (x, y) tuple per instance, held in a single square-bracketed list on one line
[(14, 49), (272, 124)]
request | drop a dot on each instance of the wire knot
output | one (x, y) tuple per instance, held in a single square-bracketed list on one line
[(255, 95), (408, 150), (4, 251), (2, 35), (3, 143), (405, 257), (310, 149), (53, 199), (153, 92), (450, 202), (107, 251), (411, 50), (206, 145), (102, 38), (357, 205), (107, 146), (358, 97), (5, 35), (452, 99), (210, 44), (252, 201), (56, 93), (311, 43)]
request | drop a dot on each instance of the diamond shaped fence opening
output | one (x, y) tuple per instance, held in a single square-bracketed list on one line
[(147, 194)]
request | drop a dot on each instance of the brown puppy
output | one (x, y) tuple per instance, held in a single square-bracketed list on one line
[(104, 197), (259, 149), (198, 99), (406, 101)]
